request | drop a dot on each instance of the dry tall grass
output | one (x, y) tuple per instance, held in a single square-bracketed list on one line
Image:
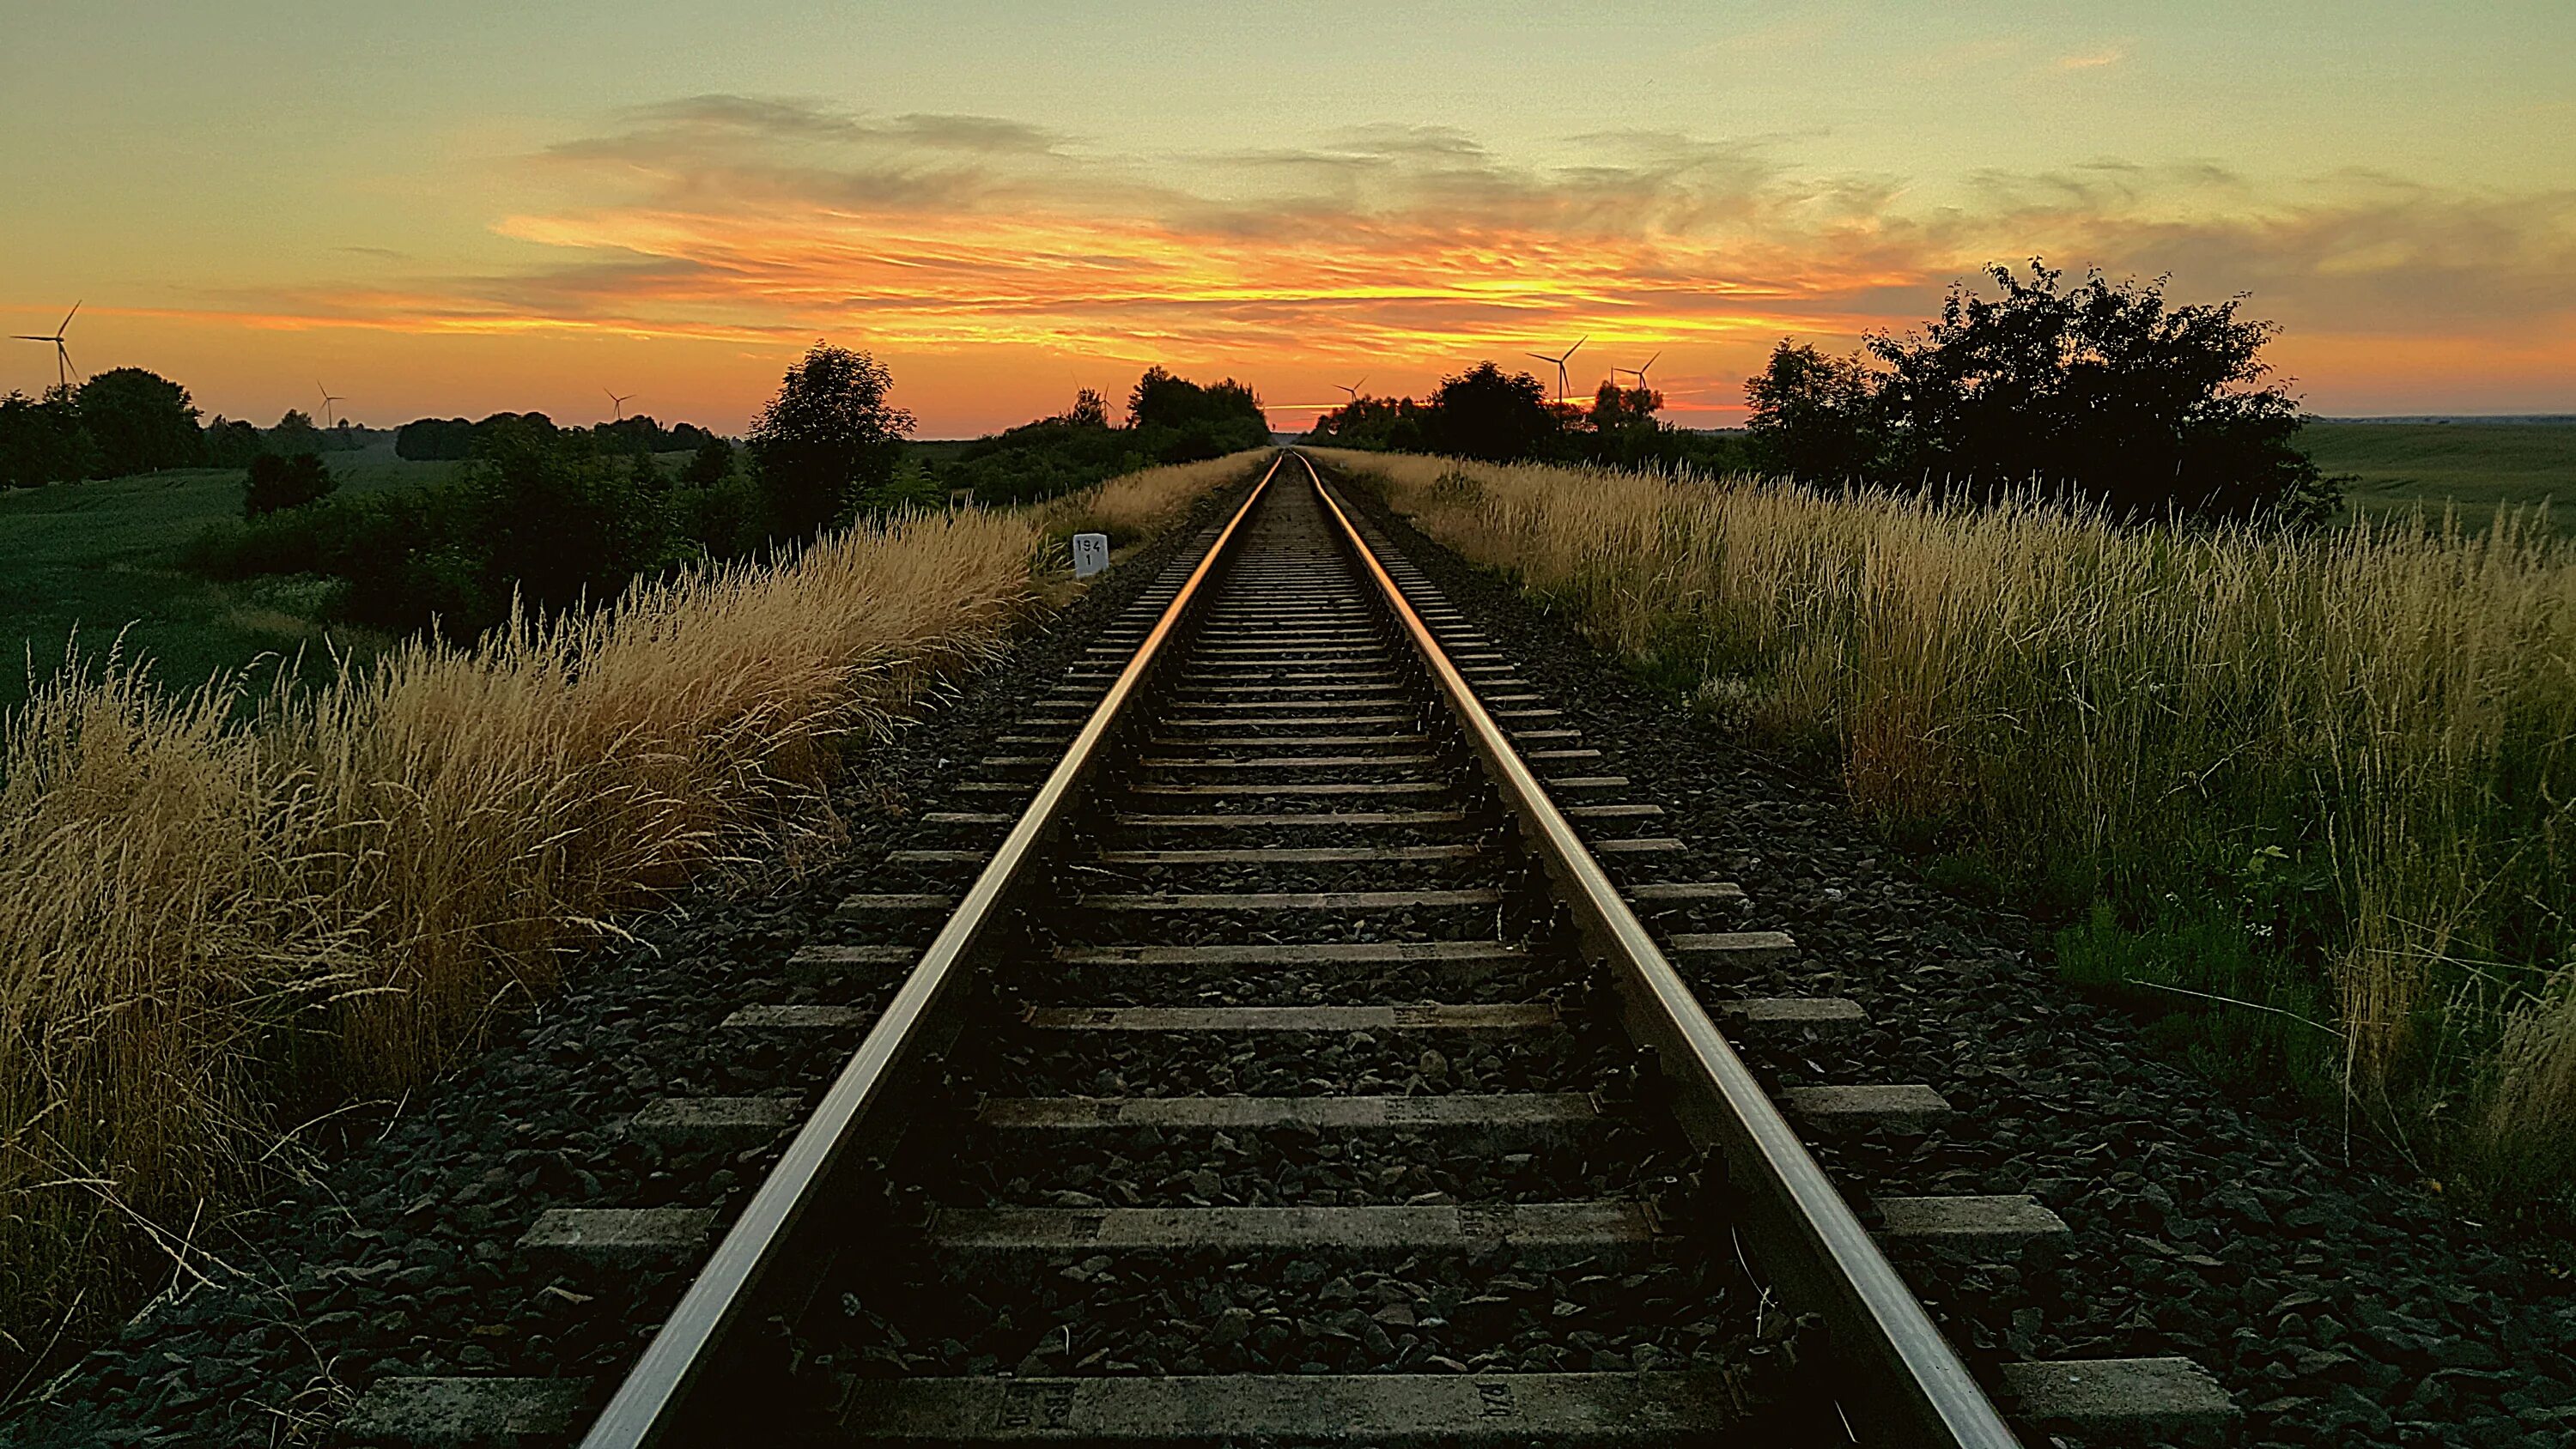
[(2394, 702), (215, 908)]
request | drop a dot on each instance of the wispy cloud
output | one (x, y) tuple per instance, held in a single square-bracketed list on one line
[(757, 218), (2094, 59)]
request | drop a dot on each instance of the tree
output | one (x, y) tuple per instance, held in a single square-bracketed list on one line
[(826, 437), (278, 481), (1621, 429), (2103, 392), (294, 434), (709, 465), (1484, 413), (429, 439), (231, 444), (1090, 410), (140, 420), (1813, 416), (42, 441)]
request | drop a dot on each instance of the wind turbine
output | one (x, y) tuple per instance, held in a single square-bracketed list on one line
[(1639, 373), (1354, 388), (620, 403), (1560, 361), (62, 354), (328, 398)]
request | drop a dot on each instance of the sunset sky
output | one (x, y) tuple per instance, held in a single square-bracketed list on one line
[(463, 207)]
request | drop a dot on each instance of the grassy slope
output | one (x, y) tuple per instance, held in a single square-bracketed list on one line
[(2479, 466)]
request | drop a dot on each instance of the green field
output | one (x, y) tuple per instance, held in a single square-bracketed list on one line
[(104, 557), (2478, 467)]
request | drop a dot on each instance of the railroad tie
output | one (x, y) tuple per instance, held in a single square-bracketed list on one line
[(1544, 1235), (1909, 1108), (731, 1124), (614, 1239), (2007, 1225)]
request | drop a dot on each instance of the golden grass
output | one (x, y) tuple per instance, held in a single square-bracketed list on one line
[(2391, 703), (217, 909)]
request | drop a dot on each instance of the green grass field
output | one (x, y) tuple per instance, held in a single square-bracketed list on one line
[(103, 557), (2478, 467)]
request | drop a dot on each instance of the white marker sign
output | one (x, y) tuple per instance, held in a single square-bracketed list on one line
[(1090, 554)]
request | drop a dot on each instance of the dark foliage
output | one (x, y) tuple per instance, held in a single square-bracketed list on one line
[(279, 481), (710, 464), (1506, 418), (1813, 416), (232, 444), (1488, 414), (551, 516), (430, 440), (295, 435), (140, 420), (42, 441), (825, 439), (2106, 392), (1170, 420)]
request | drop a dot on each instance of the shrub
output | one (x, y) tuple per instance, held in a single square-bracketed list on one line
[(280, 482)]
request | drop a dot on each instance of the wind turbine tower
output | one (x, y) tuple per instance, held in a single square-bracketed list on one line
[(63, 370), (1560, 361)]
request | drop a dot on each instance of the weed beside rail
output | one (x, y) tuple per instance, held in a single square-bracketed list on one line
[(2350, 757), (210, 928)]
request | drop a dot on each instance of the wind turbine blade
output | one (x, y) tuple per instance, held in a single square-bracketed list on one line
[(1541, 356), (1651, 361), (68, 316), (1578, 347), (65, 354)]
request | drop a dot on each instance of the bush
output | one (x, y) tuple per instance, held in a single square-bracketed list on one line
[(2099, 392), (276, 483), (546, 518)]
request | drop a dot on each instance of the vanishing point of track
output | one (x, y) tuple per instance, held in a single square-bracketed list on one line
[(1294, 1071)]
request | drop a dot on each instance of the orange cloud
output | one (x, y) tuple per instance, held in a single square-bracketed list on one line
[(767, 222)]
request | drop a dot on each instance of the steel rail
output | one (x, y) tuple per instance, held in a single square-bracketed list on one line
[(654, 1398), (1911, 1386)]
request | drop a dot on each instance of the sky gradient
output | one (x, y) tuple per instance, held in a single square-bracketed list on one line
[(461, 208)]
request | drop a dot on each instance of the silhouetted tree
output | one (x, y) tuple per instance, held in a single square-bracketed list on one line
[(1486, 413), (2105, 392), (434, 439), (1813, 416), (295, 434), (710, 464), (140, 420), (277, 481), (1089, 410), (231, 444), (42, 441), (826, 437)]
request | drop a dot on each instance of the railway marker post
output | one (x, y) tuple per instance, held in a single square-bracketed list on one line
[(1090, 554)]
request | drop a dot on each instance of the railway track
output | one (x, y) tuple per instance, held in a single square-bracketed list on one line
[(1308, 1062)]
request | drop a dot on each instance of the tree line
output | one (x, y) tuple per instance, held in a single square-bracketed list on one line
[(547, 516), (452, 439), (1169, 419), (2108, 394), (1499, 417), (131, 420)]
